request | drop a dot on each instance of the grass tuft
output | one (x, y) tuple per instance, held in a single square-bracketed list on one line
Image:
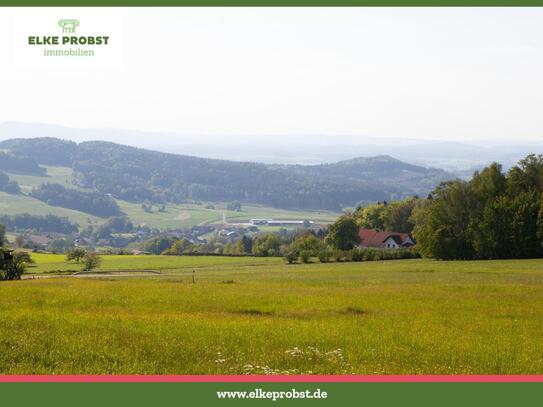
[(355, 311), (257, 312), (228, 282)]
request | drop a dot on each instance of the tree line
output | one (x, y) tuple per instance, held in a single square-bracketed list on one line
[(6, 185), (495, 215), (14, 163), (44, 224), (92, 202)]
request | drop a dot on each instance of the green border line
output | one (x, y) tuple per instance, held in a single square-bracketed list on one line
[(270, 3)]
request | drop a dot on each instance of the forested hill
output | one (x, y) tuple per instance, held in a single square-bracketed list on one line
[(140, 175), (386, 170)]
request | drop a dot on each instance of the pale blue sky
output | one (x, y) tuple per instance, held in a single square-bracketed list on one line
[(457, 74)]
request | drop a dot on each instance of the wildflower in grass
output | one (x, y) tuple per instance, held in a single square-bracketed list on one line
[(294, 352), (248, 369), (335, 356)]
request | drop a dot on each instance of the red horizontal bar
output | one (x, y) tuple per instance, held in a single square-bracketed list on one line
[(268, 378)]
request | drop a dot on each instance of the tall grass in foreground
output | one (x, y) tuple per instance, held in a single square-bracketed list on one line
[(396, 317)]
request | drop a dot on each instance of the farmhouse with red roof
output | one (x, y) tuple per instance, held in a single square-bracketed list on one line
[(384, 240)]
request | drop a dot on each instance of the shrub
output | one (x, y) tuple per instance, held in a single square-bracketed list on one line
[(368, 254), (357, 254), (291, 257), (307, 242), (373, 254), (305, 256), (77, 253), (338, 255), (91, 260), (324, 255), (21, 260), (347, 255), (381, 255)]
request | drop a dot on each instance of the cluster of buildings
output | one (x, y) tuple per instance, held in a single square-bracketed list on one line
[(281, 223)]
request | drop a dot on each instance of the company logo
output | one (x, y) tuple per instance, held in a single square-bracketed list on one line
[(67, 38), (68, 26), (69, 45)]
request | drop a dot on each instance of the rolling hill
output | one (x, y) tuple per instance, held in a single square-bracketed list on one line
[(138, 175)]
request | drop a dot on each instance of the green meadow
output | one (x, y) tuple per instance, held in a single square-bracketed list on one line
[(260, 316), (53, 263), (174, 216), (57, 175), (18, 204), (189, 215)]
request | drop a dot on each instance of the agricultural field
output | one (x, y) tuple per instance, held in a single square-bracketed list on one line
[(175, 216), (52, 263), (259, 315), (189, 215), (17, 204), (57, 175)]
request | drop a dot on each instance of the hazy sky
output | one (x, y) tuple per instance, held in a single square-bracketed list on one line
[(459, 73)]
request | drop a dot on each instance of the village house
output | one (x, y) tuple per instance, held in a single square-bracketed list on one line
[(384, 240)]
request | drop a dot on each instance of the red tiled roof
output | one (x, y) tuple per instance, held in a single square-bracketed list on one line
[(375, 238)]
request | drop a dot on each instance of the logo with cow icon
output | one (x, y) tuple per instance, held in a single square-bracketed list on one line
[(68, 25)]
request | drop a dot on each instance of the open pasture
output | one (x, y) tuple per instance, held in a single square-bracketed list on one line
[(260, 315), (52, 263)]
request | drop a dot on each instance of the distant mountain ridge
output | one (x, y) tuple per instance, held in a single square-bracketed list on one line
[(457, 156), (141, 175)]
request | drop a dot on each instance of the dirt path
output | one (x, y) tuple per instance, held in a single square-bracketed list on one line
[(95, 274)]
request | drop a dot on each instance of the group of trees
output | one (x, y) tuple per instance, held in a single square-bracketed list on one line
[(340, 244), (89, 259), (12, 263), (158, 245), (234, 206), (44, 150), (60, 245), (265, 244), (117, 224), (339, 241), (15, 163), (148, 208), (139, 175), (43, 224), (6, 185), (492, 216), (393, 217), (91, 202), (343, 233)]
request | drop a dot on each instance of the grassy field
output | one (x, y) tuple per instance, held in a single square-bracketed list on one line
[(50, 263), (247, 315), (188, 215), (16, 204), (57, 175), (175, 216)]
